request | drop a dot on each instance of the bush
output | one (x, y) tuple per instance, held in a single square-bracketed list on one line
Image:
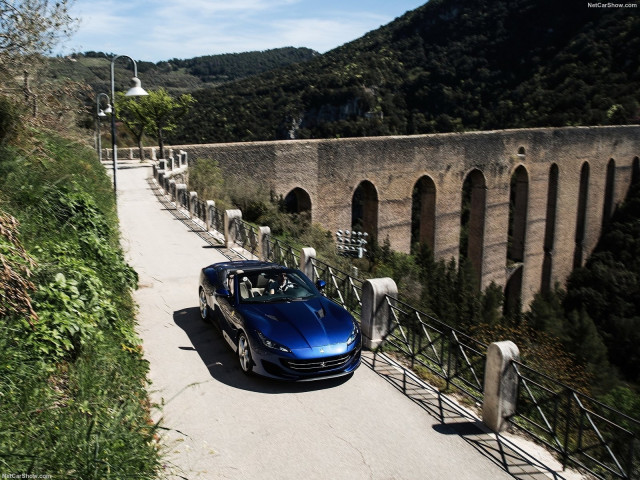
[(73, 399)]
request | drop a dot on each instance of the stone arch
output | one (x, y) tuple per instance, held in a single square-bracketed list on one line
[(364, 209), (518, 206), (297, 201), (472, 219), (522, 152), (518, 203), (609, 193), (423, 212), (581, 224), (550, 228)]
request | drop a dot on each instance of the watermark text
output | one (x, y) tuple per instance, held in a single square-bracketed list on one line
[(611, 5)]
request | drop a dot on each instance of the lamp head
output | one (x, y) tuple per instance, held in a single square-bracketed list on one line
[(136, 89), (108, 109), (101, 113)]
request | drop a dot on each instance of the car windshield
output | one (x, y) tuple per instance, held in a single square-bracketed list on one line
[(274, 286)]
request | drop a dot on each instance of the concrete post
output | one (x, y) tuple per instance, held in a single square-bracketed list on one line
[(211, 221), (376, 314), (171, 188), (162, 164), (181, 190), (500, 385), (306, 264), (263, 243), (230, 227), (153, 154), (160, 178), (193, 199)]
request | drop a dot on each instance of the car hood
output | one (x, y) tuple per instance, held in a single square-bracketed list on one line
[(301, 324)]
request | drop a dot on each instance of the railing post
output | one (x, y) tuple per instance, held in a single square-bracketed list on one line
[(210, 215), (263, 243), (500, 385), (193, 199), (307, 256), (230, 226), (376, 314), (180, 191)]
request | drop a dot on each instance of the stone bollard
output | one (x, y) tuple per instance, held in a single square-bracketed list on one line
[(376, 314), (306, 261), (212, 222), (193, 200), (264, 251), (230, 226), (500, 385), (180, 194)]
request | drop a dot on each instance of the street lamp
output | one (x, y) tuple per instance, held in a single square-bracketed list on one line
[(135, 91), (101, 114)]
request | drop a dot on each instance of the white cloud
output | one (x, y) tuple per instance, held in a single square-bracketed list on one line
[(157, 30)]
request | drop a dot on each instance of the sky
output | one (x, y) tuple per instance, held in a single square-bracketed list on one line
[(157, 30)]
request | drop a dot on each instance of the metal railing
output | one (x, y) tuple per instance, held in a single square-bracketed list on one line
[(283, 253), (424, 341), (581, 430), (200, 210), (217, 218), (345, 289), (246, 236)]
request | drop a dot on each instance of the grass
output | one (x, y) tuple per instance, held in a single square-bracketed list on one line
[(73, 399)]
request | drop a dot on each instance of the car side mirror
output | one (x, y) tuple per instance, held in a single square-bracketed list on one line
[(223, 292), (320, 285)]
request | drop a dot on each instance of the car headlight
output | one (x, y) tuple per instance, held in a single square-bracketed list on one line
[(354, 334), (267, 342)]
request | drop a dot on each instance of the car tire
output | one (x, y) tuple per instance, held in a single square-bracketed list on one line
[(205, 310), (244, 354)]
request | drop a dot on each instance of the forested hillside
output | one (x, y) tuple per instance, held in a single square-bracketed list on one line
[(450, 65), (177, 76)]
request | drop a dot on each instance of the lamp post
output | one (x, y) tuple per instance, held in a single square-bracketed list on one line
[(135, 91), (101, 114)]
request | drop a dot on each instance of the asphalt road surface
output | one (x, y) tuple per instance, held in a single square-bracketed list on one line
[(220, 424)]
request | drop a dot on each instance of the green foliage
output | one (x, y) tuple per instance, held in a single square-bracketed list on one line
[(177, 76), (10, 120), (72, 378)]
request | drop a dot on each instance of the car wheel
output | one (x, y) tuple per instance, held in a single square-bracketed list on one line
[(244, 354), (204, 307)]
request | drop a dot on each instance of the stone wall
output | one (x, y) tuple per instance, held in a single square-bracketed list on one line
[(331, 170)]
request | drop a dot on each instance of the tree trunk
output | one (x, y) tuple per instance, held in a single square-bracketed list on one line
[(161, 143), (141, 148)]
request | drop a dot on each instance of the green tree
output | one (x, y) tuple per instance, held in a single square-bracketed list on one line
[(129, 111), (161, 113), (154, 114)]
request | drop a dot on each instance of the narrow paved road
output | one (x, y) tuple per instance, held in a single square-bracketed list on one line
[(224, 425)]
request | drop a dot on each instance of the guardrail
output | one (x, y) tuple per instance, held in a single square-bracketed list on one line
[(283, 253), (246, 236), (446, 352), (579, 429), (341, 287)]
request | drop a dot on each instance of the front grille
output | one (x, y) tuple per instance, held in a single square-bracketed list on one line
[(319, 364)]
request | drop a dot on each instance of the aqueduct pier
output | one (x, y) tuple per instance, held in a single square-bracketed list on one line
[(532, 202)]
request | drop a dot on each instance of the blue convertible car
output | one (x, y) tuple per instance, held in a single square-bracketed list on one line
[(278, 322)]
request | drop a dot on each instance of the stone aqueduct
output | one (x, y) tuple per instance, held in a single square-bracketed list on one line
[(536, 198)]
